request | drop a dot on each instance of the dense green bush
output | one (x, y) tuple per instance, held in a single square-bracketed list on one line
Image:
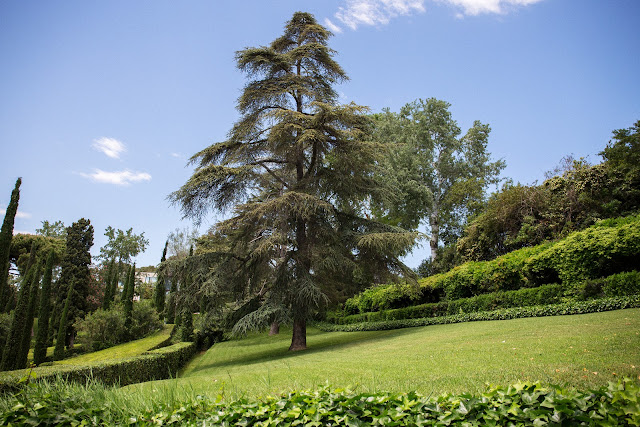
[(105, 328), (152, 365), (606, 248), (572, 307), (543, 295), (618, 404)]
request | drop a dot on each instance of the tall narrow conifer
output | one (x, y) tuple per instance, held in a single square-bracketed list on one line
[(58, 351), (31, 312), (6, 235), (18, 320), (160, 287), (128, 301), (40, 349)]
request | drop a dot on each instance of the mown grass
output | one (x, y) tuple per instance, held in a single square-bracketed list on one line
[(584, 351), (129, 349)]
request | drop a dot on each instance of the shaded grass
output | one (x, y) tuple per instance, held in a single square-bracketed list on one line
[(129, 349), (584, 351)]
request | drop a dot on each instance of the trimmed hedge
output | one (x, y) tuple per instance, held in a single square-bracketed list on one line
[(573, 307), (521, 404), (543, 295), (608, 247), (152, 365)]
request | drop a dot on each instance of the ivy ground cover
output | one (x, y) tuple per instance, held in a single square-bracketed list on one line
[(583, 351)]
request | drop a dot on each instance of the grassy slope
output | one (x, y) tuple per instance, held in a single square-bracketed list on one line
[(584, 351), (129, 349)]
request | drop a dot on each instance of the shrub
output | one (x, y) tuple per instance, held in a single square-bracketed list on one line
[(622, 284), (145, 320), (153, 365), (572, 307), (105, 328), (608, 247), (521, 404)]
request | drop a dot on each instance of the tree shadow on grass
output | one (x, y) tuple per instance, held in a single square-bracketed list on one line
[(317, 342)]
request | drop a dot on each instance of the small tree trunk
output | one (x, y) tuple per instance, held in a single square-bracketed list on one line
[(299, 337), (435, 234), (275, 328)]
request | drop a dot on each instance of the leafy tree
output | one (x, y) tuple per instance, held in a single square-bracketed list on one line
[(55, 229), (441, 177), (21, 245), (123, 245), (298, 170), (179, 242), (75, 270), (622, 157), (6, 234), (44, 312), (160, 284), (11, 353), (58, 351)]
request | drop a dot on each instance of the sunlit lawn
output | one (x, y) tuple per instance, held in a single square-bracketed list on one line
[(584, 351), (129, 349)]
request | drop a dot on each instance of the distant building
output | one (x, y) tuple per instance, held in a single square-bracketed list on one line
[(146, 277)]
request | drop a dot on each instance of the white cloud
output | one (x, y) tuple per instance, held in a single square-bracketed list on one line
[(331, 26), (476, 7), (379, 12), (22, 215), (177, 155), (109, 146), (376, 12), (125, 177)]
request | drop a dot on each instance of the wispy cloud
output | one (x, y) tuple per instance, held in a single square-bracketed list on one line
[(124, 178), (477, 7), (331, 26), (109, 146), (375, 12), (177, 155), (356, 13), (22, 215)]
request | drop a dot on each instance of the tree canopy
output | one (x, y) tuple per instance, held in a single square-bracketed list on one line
[(297, 170), (122, 245), (441, 177)]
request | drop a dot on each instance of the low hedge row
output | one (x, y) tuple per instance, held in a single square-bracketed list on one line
[(573, 307), (608, 247), (617, 285), (543, 295), (521, 404), (153, 365)]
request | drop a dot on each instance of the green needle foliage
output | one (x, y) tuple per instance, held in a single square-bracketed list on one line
[(10, 355), (75, 270), (6, 234), (128, 298), (40, 349), (160, 287), (58, 351), (31, 312), (298, 171)]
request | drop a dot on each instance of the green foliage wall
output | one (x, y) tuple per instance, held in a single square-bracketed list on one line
[(608, 247)]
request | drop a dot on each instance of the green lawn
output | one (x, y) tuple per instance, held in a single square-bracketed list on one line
[(129, 349), (584, 351)]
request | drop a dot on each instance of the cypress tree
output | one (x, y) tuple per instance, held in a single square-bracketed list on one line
[(187, 325), (58, 351), (109, 292), (125, 287), (128, 301), (6, 234), (14, 338), (75, 270), (31, 312), (171, 302), (160, 288), (40, 349)]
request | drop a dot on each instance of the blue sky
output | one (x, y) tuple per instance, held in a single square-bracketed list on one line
[(101, 103)]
